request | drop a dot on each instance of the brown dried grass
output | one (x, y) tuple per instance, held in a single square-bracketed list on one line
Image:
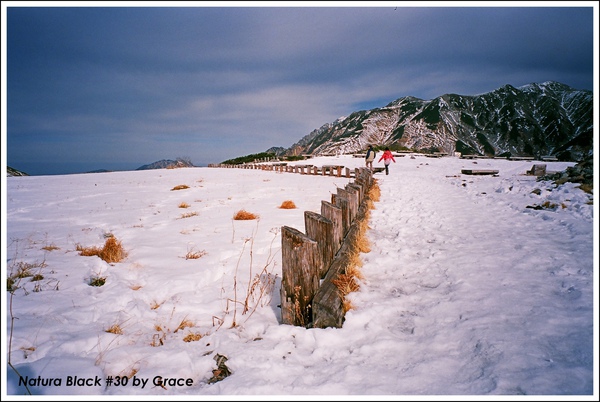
[(354, 272), (180, 187), (50, 247), (184, 205), (115, 329), (362, 243), (243, 215), (188, 215), (346, 284), (192, 337), (194, 255), (374, 192), (185, 323), (287, 204), (111, 252)]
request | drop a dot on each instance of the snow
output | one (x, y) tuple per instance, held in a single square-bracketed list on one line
[(471, 288)]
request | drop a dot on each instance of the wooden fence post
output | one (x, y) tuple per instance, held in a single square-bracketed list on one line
[(353, 200), (320, 229), (342, 200), (334, 214), (357, 187), (299, 276)]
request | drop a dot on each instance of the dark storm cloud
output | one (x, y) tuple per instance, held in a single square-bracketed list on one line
[(131, 85)]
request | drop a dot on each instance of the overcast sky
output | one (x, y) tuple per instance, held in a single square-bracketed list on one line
[(118, 87)]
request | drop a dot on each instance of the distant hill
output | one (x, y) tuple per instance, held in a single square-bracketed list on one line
[(14, 172), (100, 171), (168, 164)]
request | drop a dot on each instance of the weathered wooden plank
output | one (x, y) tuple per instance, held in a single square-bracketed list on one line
[(334, 214), (342, 200), (320, 229), (353, 200), (299, 276), (358, 187)]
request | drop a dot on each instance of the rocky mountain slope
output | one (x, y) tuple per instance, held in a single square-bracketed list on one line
[(533, 120), (14, 172), (168, 164)]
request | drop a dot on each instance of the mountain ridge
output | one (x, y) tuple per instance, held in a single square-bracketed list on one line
[(536, 119)]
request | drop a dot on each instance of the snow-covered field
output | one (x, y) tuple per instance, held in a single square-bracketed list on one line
[(477, 286)]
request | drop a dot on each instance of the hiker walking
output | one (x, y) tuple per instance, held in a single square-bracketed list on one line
[(387, 158), (370, 157)]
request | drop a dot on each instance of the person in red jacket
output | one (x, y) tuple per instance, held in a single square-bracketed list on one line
[(387, 158)]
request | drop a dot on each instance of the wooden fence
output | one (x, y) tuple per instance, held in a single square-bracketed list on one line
[(311, 261), (325, 170)]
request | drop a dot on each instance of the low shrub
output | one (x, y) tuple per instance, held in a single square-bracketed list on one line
[(97, 281)]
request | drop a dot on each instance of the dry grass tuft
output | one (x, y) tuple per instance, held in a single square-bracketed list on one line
[(185, 323), (188, 215), (111, 252), (354, 272), (115, 329), (374, 192), (346, 284), (347, 305), (192, 337), (50, 247), (362, 243), (154, 305), (243, 215), (180, 187), (194, 255), (288, 204), (184, 205), (27, 351), (354, 259)]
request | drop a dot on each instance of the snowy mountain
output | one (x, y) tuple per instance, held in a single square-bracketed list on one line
[(533, 120), (14, 172), (168, 164)]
